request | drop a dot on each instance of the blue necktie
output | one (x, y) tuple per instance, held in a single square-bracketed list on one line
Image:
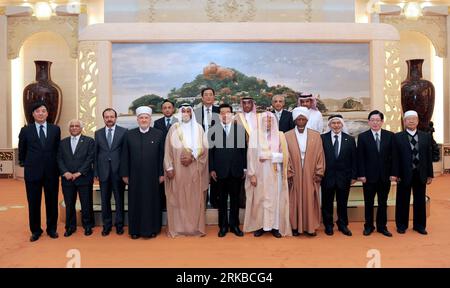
[(109, 138), (42, 135), (336, 146)]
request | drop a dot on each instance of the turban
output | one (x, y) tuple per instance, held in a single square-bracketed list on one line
[(144, 110), (300, 111), (410, 113)]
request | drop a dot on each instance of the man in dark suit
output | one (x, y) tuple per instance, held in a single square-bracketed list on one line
[(415, 171), (284, 117), (38, 146), (377, 165), (207, 115), (227, 165), (108, 150), (340, 173), (163, 124), (76, 165)]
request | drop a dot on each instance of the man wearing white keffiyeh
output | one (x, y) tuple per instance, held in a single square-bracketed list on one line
[(267, 207), (186, 168)]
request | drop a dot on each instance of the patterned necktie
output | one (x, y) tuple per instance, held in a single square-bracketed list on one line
[(109, 138), (42, 135), (377, 141), (208, 116), (336, 146), (414, 150), (73, 144)]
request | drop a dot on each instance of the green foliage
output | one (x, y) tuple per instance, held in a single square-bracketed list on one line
[(152, 100)]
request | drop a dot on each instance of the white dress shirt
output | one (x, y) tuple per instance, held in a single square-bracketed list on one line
[(38, 128), (302, 139), (144, 130), (411, 132), (278, 114), (205, 117), (113, 129)]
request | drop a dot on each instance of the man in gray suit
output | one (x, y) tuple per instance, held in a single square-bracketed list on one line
[(76, 165), (108, 148), (207, 115)]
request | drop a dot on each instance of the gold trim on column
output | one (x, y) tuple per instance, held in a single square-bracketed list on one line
[(2, 10), (392, 85), (83, 9), (87, 83)]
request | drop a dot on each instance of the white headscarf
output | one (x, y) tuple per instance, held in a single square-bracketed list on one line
[(268, 141), (336, 117), (307, 96), (190, 131), (300, 111)]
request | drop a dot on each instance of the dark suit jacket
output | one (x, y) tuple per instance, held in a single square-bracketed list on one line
[(376, 165), (404, 153), (161, 125), (103, 154), (229, 161), (81, 161), (35, 158), (342, 170), (199, 114), (286, 122)]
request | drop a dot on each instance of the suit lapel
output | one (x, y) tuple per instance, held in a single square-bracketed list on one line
[(116, 135), (373, 143), (328, 143), (80, 142)]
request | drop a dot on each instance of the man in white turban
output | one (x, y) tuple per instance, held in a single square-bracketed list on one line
[(187, 176), (414, 151), (307, 167), (141, 168)]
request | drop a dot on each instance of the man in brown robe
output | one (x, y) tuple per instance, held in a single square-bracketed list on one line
[(307, 164), (187, 177), (267, 207)]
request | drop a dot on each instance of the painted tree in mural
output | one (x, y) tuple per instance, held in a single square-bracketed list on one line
[(152, 100)]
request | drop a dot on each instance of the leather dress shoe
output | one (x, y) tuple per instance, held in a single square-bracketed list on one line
[(237, 231), (345, 231), (153, 235), (401, 231), (135, 236), (295, 233), (88, 231), (421, 231), (385, 232), (222, 232), (258, 233), (329, 231), (313, 234), (53, 235), (119, 230), (69, 232), (367, 231), (34, 237), (105, 232), (276, 233)]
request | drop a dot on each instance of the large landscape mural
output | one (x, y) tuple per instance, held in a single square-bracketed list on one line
[(336, 73)]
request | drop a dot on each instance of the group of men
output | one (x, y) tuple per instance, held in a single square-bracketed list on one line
[(281, 163)]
